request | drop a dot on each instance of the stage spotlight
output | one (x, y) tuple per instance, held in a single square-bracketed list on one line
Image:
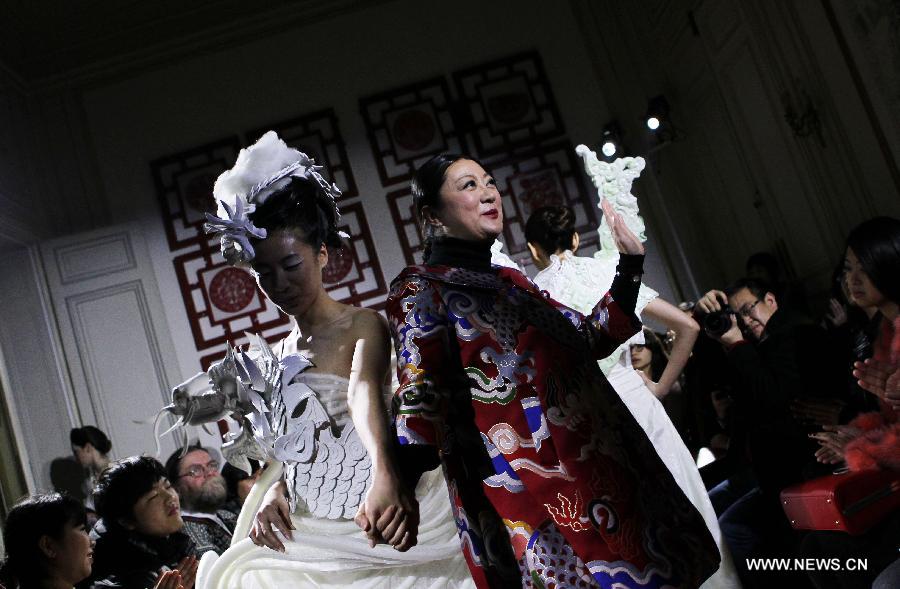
[(608, 148), (657, 113), (610, 142)]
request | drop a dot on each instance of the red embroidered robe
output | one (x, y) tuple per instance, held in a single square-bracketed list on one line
[(504, 383)]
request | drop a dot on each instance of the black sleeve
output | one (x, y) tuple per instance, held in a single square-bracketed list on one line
[(625, 285)]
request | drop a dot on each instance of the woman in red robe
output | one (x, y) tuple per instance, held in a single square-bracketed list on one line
[(552, 481)]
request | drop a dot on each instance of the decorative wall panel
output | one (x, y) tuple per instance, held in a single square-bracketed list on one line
[(317, 135), (184, 183), (509, 103), (408, 125)]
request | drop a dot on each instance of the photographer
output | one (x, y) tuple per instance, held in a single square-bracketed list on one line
[(774, 358)]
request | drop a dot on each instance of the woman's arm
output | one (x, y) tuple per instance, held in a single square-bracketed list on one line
[(686, 332), (390, 511)]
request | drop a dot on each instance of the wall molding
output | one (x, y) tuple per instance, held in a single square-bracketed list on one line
[(119, 245), (87, 354)]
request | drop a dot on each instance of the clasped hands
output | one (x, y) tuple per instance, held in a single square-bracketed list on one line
[(390, 513)]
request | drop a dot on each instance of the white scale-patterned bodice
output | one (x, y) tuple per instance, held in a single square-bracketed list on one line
[(326, 467)]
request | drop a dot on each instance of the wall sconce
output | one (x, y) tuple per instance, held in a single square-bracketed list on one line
[(803, 120)]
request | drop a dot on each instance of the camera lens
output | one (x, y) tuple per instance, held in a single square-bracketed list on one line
[(717, 322)]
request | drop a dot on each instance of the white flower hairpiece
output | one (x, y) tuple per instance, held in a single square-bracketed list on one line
[(260, 170)]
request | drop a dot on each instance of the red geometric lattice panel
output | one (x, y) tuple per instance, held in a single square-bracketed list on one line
[(550, 176), (509, 103), (184, 184), (353, 274), (318, 136), (222, 301), (408, 125)]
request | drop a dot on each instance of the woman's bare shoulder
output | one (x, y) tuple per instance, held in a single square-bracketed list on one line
[(368, 321)]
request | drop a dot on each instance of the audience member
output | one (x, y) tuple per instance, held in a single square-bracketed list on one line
[(651, 359), (91, 447), (782, 357), (203, 493), (138, 536), (47, 544)]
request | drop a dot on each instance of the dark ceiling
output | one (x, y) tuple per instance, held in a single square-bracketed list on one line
[(66, 41)]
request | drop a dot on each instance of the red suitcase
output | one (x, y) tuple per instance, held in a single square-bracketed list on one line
[(851, 502)]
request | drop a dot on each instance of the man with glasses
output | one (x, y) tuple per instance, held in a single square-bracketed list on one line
[(774, 357), (203, 493)]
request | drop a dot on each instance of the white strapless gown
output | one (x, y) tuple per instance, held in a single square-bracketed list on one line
[(334, 553), (579, 283)]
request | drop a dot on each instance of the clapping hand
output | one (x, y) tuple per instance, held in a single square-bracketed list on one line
[(832, 441), (837, 314), (182, 577), (626, 241), (882, 377)]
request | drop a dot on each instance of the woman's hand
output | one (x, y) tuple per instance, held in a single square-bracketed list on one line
[(837, 314), (274, 514), (832, 441), (626, 241), (169, 580), (182, 577), (390, 513), (882, 379)]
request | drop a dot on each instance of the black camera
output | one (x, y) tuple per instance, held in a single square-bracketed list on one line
[(718, 322)]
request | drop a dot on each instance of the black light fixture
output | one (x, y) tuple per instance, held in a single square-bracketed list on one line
[(657, 117), (611, 140)]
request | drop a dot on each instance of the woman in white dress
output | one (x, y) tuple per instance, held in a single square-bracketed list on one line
[(579, 283), (278, 216)]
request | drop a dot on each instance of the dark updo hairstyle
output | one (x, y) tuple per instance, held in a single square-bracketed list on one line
[(426, 189), (80, 436), (301, 205), (122, 483), (551, 228), (28, 521), (876, 243)]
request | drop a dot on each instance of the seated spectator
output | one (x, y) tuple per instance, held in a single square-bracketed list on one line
[(781, 358), (139, 536), (203, 493), (239, 484), (91, 447), (47, 544), (872, 440)]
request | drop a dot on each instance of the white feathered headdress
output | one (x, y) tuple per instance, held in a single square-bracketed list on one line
[(260, 170)]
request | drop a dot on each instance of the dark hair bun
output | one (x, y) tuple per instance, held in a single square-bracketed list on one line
[(301, 205), (551, 228), (89, 434)]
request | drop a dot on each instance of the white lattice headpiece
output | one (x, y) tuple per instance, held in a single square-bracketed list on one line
[(260, 170)]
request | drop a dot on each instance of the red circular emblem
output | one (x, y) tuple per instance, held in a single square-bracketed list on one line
[(413, 130), (231, 290), (339, 264)]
